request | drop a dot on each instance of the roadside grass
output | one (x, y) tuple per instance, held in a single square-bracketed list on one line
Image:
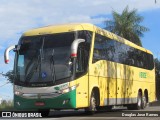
[(6, 105)]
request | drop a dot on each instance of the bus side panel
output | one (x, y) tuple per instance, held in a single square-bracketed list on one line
[(103, 76), (139, 79), (121, 84), (132, 85), (152, 85), (82, 92), (96, 81), (152, 93)]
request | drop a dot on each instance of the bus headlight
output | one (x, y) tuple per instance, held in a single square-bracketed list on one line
[(69, 89), (18, 93), (65, 90)]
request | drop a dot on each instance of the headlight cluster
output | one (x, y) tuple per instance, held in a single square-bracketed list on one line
[(18, 93), (63, 91), (66, 90)]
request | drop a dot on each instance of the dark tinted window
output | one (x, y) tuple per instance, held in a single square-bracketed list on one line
[(44, 59), (111, 50), (83, 52)]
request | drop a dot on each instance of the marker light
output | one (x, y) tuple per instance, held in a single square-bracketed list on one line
[(73, 55)]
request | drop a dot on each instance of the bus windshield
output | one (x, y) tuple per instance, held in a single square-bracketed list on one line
[(44, 58)]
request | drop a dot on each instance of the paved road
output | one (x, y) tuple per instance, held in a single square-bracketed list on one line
[(115, 114)]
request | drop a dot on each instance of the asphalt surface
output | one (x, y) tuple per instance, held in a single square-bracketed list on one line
[(117, 113)]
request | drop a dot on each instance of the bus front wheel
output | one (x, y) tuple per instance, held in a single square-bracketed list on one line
[(92, 107)]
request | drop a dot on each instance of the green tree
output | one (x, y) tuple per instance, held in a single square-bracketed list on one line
[(127, 25), (157, 66), (6, 105), (157, 70), (9, 75)]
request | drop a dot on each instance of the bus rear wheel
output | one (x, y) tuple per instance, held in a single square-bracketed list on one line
[(144, 102), (139, 103)]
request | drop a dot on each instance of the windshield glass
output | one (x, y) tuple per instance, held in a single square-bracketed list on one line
[(43, 59)]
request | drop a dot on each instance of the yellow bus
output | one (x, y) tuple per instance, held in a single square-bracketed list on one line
[(73, 66)]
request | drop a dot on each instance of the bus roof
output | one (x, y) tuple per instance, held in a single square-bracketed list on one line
[(51, 29)]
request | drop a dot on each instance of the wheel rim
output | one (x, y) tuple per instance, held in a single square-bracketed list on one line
[(93, 103), (139, 102), (144, 102)]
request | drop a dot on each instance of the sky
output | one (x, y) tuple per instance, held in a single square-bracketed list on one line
[(17, 16)]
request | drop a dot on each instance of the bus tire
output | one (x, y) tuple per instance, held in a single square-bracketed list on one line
[(144, 102), (92, 105), (138, 105), (139, 101)]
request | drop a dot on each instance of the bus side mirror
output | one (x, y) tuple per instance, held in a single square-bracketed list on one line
[(6, 53), (74, 47)]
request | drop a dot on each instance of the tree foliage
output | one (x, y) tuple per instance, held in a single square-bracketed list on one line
[(157, 66), (157, 70), (6, 105), (9, 75), (127, 25)]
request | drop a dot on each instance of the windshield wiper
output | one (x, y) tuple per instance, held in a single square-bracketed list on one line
[(38, 65), (33, 70), (53, 74), (41, 56)]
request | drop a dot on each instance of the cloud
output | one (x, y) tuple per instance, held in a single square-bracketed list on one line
[(18, 16)]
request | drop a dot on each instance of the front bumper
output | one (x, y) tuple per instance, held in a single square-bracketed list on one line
[(64, 101)]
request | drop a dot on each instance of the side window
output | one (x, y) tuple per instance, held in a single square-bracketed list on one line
[(150, 61), (111, 50), (98, 48), (103, 48), (80, 59), (83, 52)]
